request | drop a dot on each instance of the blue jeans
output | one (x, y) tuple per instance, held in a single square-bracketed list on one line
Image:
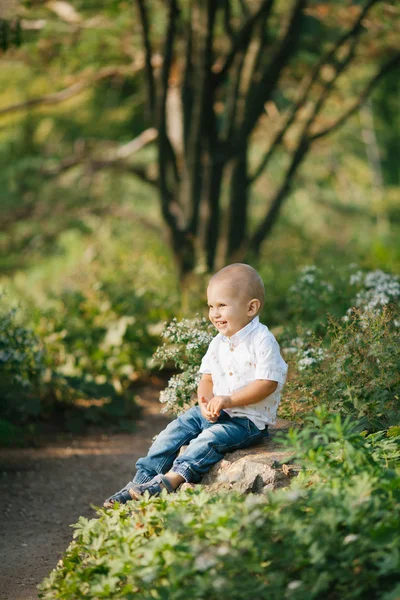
[(207, 444)]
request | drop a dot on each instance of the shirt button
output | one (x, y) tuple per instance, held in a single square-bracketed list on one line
[(230, 373), (232, 349)]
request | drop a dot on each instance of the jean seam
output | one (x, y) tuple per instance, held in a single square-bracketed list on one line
[(170, 453), (218, 448), (237, 445), (183, 472), (141, 480)]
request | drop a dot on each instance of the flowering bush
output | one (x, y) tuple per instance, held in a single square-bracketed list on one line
[(317, 294), (21, 367), (325, 536), (344, 357), (376, 290), (354, 370), (185, 344)]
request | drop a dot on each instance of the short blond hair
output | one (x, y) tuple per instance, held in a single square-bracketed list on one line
[(244, 278)]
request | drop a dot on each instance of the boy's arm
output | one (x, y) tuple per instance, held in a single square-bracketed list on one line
[(250, 394), (204, 395), (205, 387)]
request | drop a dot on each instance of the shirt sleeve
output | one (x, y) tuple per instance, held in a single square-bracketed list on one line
[(208, 359), (270, 364)]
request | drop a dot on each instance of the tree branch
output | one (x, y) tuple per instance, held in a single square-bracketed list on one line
[(245, 9), (94, 165), (231, 103), (123, 167), (388, 66), (304, 145), (307, 85), (187, 83), (202, 127), (227, 20), (266, 225), (147, 136), (299, 155), (70, 91), (166, 155), (151, 86), (241, 39), (260, 93), (116, 160)]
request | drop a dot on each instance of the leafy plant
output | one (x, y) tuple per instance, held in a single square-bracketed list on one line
[(21, 367), (311, 295), (185, 344), (355, 369), (333, 534), (318, 293)]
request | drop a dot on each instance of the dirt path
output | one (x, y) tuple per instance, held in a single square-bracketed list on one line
[(44, 490)]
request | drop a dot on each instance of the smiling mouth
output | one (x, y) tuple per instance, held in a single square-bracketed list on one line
[(220, 323)]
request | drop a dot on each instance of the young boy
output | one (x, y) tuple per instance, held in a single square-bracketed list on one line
[(238, 394)]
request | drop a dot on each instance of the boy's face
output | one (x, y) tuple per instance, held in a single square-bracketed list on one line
[(229, 309)]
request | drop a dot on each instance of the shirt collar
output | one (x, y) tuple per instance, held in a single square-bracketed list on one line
[(242, 333)]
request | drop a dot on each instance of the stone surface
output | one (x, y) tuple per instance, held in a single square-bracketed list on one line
[(255, 469)]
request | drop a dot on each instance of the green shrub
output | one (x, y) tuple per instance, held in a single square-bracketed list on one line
[(342, 347), (97, 306), (185, 343), (98, 341), (89, 334), (317, 294), (355, 369), (21, 367), (334, 534), (77, 360)]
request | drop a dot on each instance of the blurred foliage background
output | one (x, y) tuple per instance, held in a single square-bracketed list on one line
[(88, 276)]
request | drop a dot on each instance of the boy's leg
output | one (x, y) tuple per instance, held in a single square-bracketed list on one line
[(209, 447), (162, 454), (166, 446)]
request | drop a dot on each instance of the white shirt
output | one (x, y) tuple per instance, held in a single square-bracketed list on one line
[(252, 353)]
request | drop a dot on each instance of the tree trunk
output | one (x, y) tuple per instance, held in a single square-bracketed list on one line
[(234, 65), (238, 209), (212, 199)]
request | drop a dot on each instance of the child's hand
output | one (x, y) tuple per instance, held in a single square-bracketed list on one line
[(203, 403), (217, 403)]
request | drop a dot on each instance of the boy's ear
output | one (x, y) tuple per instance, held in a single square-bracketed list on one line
[(253, 307)]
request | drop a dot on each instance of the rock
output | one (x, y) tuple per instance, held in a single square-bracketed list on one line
[(255, 469)]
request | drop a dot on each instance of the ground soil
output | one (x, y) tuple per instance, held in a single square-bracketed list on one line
[(45, 489)]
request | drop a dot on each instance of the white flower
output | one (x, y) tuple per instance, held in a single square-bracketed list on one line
[(293, 585), (290, 350), (293, 495), (305, 362), (356, 278), (352, 537), (379, 290), (309, 357), (204, 562), (219, 583)]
